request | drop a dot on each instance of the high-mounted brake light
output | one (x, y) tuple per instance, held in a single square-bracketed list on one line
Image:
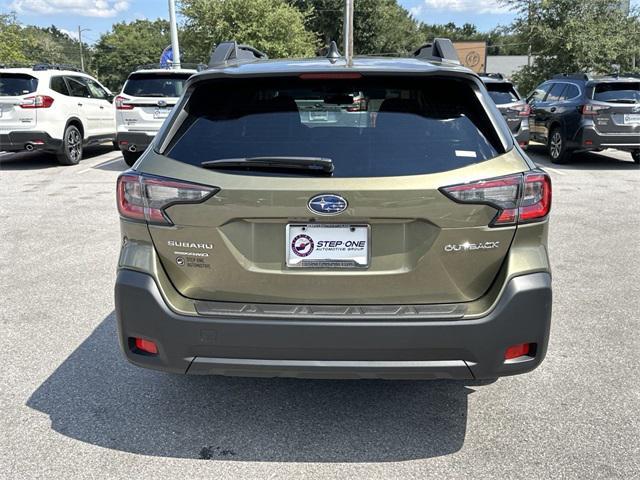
[(331, 76), (120, 105), (520, 198), (144, 198), (590, 109), (37, 101)]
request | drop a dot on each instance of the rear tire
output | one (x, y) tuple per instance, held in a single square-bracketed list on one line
[(130, 157), (636, 156), (71, 152), (557, 147)]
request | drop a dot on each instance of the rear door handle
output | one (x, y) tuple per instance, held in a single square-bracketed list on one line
[(101, 107), (79, 104)]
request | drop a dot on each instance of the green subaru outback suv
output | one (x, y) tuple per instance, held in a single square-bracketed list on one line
[(364, 218)]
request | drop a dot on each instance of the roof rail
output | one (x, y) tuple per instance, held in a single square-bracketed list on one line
[(183, 66), (624, 74), (573, 76), (440, 50), (41, 66), (55, 66), (232, 53), (497, 76)]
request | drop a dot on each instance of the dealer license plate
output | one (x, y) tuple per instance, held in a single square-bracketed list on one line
[(327, 246), (161, 113), (631, 118)]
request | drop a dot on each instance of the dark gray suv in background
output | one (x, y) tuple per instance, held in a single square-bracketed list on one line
[(577, 112)]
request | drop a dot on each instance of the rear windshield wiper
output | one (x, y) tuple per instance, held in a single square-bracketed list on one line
[(309, 164)]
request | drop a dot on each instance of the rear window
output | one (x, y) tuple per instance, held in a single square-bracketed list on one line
[(368, 127), (17, 84), (155, 85), (502, 93), (627, 92)]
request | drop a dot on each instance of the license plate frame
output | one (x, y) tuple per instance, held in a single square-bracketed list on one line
[(323, 254), (631, 118), (160, 113)]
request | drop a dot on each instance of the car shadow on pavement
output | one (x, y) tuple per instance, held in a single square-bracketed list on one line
[(42, 160), (95, 396), (585, 160)]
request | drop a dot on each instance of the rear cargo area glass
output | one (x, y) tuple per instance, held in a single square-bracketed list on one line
[(155, 85), (17, 84), (502, 93), (622, 92), (369, 127)]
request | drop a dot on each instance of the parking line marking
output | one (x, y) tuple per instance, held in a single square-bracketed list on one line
[(101, 164)]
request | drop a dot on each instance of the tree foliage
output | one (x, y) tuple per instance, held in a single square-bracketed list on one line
[(379, 26), (575, 36), (273, 26), (126, 46)]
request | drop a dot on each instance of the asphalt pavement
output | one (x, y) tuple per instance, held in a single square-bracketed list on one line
[(72, 407)]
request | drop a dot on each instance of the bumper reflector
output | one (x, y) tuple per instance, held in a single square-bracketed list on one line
[(146, 346), (519, 350)]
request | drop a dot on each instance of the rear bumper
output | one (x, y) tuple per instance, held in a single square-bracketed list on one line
[(20, 140), (589, 138), (316, 348), (138, 140)]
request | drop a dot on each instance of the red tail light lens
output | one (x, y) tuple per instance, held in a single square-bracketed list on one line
[(37, 101), (146, 346), (519, 350), (120, 104), (523, 110), (536, 197), (591, 109), (518, 198), (144, 198)]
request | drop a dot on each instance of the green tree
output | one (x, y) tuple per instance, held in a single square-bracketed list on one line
[(11, 40), (379, 26), (575, 36), (272, 26), (126, 46)]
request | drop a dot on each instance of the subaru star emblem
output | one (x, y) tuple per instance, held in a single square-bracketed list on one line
[(162, 103), (327, 204)]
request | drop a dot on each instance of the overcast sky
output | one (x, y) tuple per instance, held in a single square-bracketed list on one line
[(99, 15)]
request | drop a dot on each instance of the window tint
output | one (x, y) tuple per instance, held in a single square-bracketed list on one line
[(502, 93), (17, 84), (78, 87), (570, 92), (58, 85), (539, 93), (369, 127), (96, 90), (622, 92), (555, 92), (155, 85)]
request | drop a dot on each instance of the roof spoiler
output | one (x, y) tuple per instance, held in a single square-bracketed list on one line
[(232, 53), (497, 76), (440, 50), (165, 66)]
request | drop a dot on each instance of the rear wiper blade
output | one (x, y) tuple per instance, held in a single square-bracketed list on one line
[(312, 164)]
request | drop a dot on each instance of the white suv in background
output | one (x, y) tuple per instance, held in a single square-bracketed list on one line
[(54, 108), (146, 99)]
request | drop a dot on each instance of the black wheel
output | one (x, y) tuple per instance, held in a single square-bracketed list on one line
[(557, 147), (71, 152), (130, 157), (636, 156)]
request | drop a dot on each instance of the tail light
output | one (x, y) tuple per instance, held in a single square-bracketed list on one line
[(37, 101), (520, 198), (120, 105), (523, 110), (144, 197), (590, 109)]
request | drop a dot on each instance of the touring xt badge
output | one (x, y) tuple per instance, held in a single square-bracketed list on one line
[(468, 246)]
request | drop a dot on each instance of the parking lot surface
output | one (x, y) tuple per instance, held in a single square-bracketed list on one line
[(72, 407)]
